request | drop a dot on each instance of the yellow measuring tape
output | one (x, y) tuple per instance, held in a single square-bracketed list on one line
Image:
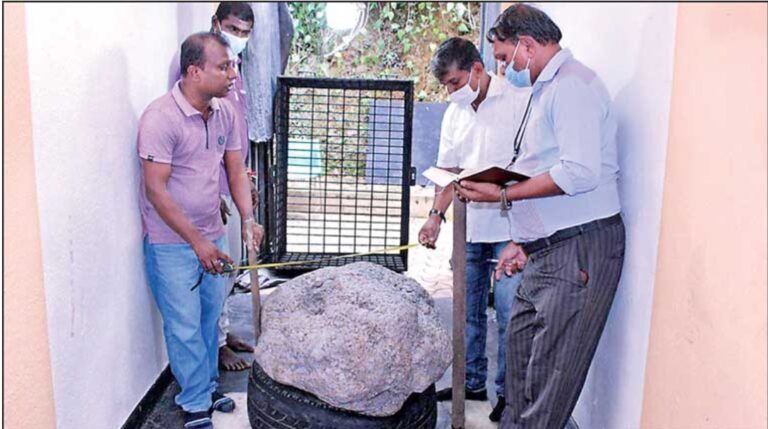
[(318, 261)]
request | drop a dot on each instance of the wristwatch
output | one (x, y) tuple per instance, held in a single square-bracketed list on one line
[(505, 204), (437, 212)]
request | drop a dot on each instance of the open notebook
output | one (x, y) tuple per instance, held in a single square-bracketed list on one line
[(492, 174)]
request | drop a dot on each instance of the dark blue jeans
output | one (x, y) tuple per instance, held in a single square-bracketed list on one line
[(479, 272)]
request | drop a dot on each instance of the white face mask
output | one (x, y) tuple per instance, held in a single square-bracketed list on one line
[(465, 95), (236, 44)]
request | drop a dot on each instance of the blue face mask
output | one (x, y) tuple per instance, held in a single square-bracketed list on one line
[(522, 78)]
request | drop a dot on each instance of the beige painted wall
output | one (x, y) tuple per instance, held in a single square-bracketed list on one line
[(707, 355), (28, 399)]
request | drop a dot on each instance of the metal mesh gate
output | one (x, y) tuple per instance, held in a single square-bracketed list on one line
[(342, 171)]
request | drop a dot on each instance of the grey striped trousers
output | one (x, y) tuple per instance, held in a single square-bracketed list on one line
[(556, 322)]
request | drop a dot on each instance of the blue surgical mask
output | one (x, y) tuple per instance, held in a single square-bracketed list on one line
[(522, 78)]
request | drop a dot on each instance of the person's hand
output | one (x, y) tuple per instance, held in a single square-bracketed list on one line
[(429, 232), (478, 192), (511, 260), (254, 194), (224, 209), (210, 256), (253, 233)]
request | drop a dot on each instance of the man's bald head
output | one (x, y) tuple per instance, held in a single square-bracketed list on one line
[(193, 49)]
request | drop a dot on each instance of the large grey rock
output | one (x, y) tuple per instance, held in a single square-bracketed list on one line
[(359, 337)]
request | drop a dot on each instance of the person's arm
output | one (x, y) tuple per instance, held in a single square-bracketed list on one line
[(431, 228), (444, 196), (156, 175), (447, 155), (241, 194), (578, 116), (536, 187)]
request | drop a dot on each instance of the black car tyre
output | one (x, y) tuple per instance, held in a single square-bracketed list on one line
[(272, 405)]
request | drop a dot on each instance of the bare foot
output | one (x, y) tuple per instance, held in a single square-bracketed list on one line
[(230, 361), (238, 344)]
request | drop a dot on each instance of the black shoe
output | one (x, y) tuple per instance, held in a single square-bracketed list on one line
[(222, 403), (470, 395), (198, 420), (495, 415)]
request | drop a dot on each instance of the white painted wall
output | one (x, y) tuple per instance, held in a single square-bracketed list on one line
[(631, 47), (93, 70)]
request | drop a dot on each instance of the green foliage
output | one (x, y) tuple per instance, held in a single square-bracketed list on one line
[(309, 22), (398, 41)]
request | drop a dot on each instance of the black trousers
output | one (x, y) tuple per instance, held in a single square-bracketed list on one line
[(558, 315)]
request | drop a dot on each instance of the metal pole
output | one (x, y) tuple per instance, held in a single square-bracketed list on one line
[(255, 297), (459, 310)]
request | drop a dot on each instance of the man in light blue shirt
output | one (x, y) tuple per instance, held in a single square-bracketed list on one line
[(567, 216)]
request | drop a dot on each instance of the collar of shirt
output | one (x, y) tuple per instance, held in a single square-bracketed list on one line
[(495, 87), (185, 105), (554, 64)]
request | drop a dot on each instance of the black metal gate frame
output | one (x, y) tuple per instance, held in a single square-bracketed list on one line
[(278, 181)]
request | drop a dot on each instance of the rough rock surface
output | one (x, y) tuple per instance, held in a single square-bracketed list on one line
[(359, 337)]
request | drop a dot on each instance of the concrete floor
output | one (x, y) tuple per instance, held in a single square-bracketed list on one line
[(429, 267)]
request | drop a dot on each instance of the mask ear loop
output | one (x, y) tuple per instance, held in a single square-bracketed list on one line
[(513, 54)]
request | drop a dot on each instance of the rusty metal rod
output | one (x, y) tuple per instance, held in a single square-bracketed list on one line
[(255, 296), (459, 310)]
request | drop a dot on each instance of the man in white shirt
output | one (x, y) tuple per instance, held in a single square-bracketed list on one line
[(476, 133), (567, 216)]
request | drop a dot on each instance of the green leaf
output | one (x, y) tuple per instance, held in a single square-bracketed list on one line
[(463, 28)]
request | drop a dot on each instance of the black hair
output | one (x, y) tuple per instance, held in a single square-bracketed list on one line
[(193, 49), (524, 20), (454, 52), (238, 9)]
